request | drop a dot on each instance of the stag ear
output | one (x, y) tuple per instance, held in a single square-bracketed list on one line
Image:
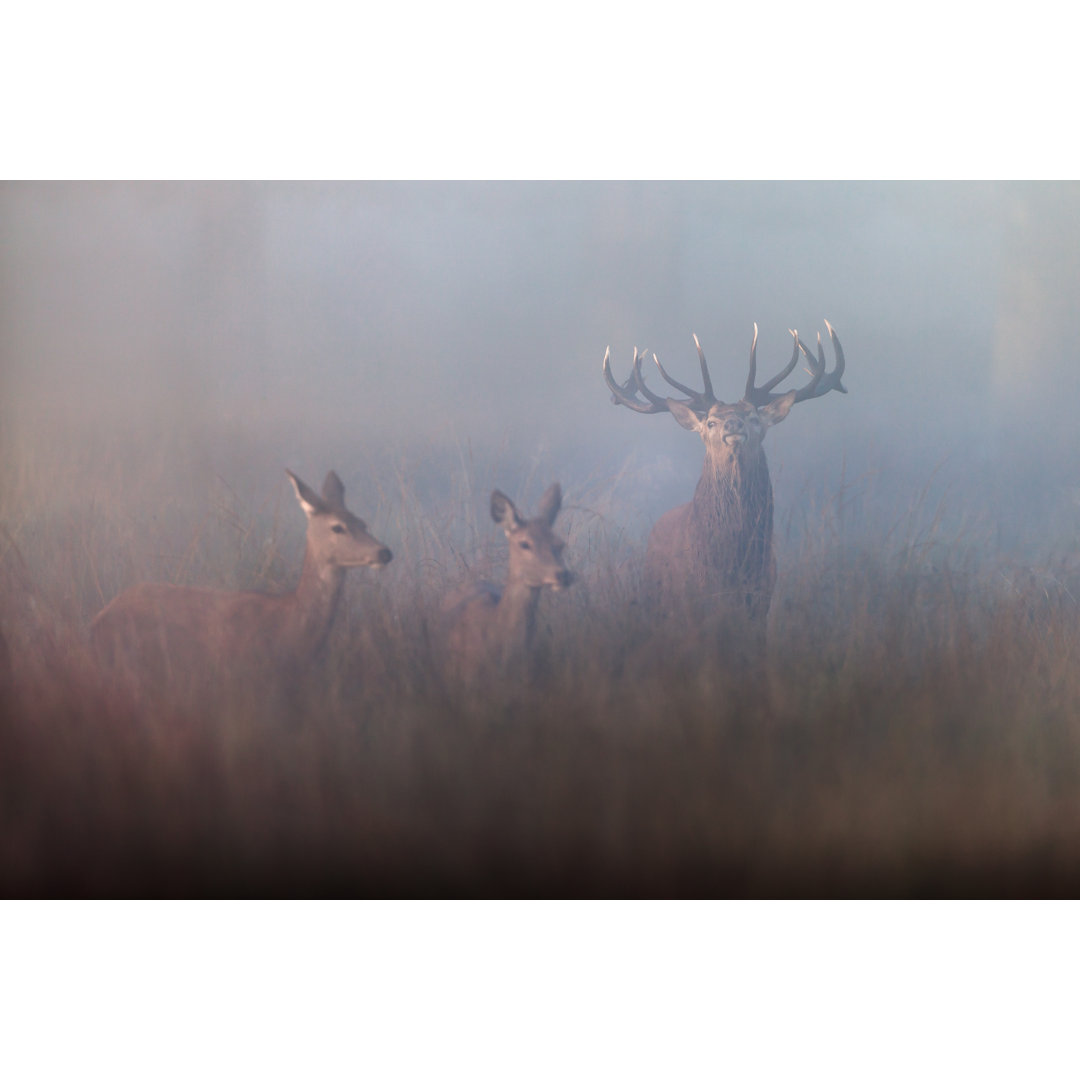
[(312, 504), (684, 414), (777, 409), (549, 506), (504, 512)]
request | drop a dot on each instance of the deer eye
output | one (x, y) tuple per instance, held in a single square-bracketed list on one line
[(337, 528), (525, 545), (711, 424)]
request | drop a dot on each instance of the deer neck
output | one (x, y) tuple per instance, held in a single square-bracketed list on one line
[(316, 600), (516, 615), (734, 476), (732, 512)]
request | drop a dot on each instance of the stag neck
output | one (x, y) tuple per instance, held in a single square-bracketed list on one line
[(727, 466), (737, 488), (732, 515)]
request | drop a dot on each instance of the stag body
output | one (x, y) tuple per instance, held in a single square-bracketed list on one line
[(158, 634), (717, 548), (495, 628), (715, 553)]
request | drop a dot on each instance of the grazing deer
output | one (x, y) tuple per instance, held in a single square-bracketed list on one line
[(157, 633), (496, 626), (716, 551)]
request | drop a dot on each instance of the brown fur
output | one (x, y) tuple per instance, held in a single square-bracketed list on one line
[(491, 629), (714, 556), (717, 549), (157, 634)]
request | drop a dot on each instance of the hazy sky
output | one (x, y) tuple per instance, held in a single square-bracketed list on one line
[(417, 314)]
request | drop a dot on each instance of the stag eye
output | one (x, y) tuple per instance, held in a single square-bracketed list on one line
[(337, 528), (711, 424), (525, 545)]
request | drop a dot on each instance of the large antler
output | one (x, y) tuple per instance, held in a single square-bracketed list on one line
[(626, 393), (821, 381)]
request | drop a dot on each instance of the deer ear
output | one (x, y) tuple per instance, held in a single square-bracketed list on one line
[(549, 506), (309, 501), (333, 491), (686, 416), (504, 512), (776, 410)]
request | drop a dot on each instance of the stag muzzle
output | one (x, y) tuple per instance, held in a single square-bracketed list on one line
[(734, 431)]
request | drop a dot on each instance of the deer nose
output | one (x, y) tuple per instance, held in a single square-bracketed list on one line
[(564, 579), (385, 555), (734, 431)]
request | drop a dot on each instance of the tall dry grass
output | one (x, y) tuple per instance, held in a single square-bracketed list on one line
[(914, 730)]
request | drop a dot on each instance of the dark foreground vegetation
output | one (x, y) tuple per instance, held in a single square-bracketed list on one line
[(914, 732)]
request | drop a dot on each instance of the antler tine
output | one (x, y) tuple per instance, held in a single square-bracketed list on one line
[(625, 394), (776, 380), (838, 371), (762, 395), (823, 381), (820, 355), (706, 381), (639, 380), (693, 394), (751, 377), (816, 369)]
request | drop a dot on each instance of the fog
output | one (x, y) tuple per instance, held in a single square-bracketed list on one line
[(248, 327), (903, 725)]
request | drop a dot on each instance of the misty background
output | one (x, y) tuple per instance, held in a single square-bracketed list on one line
[(202, 332)]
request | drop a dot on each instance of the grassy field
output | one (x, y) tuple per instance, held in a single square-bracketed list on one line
[(915, 730)]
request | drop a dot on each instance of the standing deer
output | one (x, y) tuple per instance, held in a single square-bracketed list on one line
[(716, 551), (493, 626), (156, 633)]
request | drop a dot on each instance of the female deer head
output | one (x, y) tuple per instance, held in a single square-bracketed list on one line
[(535, 551)]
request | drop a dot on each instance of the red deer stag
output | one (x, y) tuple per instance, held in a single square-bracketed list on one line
[(496, 627), (158, 633), (715, 552)]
